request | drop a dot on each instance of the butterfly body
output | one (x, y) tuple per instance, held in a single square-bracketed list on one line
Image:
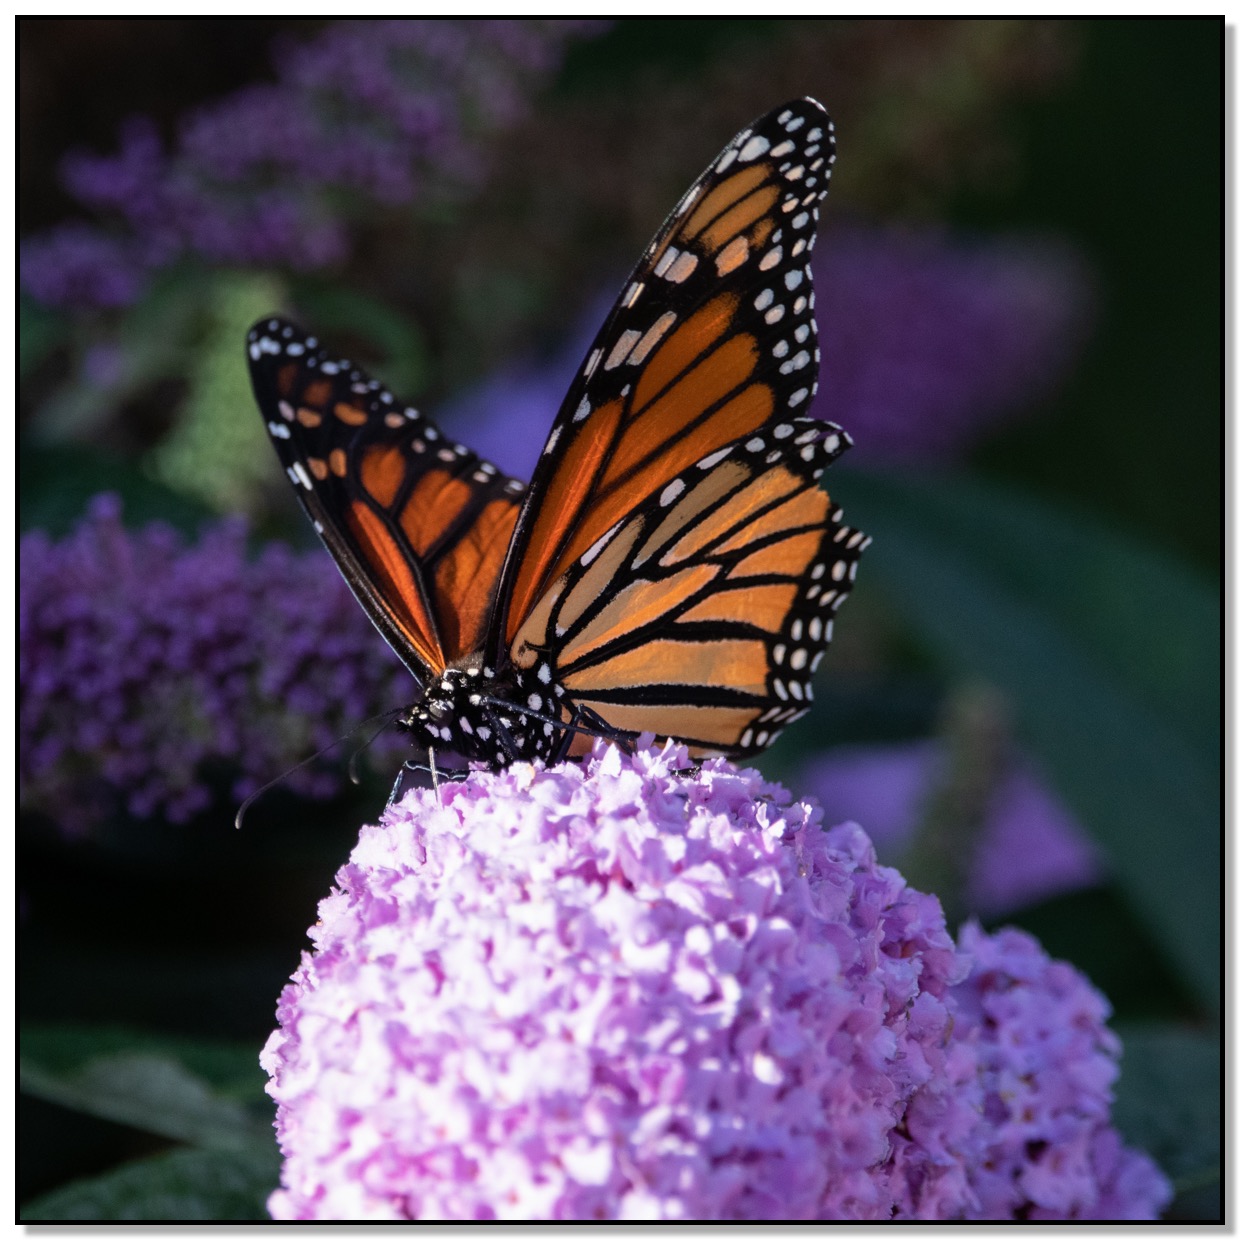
[(476, 713), (674, 566)]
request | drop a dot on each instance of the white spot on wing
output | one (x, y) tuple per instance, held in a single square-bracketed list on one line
[(757, 145), (709, 462), (682, 268), (670, 492), (589, 556), (621, 348), (653, 335)]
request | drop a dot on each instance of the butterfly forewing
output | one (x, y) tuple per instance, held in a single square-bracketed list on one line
[(712, 340), (419, 525)]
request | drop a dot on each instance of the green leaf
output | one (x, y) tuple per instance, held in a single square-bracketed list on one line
[(180, 1186), (1000, 587), (1168, 1103), (1150, 621), (203, 1094)]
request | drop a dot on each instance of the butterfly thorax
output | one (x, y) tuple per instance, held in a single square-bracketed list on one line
[(489, 717)]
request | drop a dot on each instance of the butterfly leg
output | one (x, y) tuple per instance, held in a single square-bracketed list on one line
[(430, 757), (439, 776), (398, 785), (584, 721)]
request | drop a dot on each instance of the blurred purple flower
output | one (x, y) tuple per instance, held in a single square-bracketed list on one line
[(103, 364), (506, 418), (627, 989), (390, 110), (144, 663), (76, 264), (1030, 847), (927, 343)]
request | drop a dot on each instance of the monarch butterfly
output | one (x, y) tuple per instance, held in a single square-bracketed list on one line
[(673, 566)]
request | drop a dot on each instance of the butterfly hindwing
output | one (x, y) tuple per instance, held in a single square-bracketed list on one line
[(419, 525), (712, 339), (704, 612)]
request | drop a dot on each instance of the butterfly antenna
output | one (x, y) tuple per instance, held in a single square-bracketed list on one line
[(388, 717)]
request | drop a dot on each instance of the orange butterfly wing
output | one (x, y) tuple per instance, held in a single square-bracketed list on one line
[(419, 526), (704, 612), (712, 339), (676, 557)]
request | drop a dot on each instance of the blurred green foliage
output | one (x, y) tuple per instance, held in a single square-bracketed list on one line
[(215, 451)]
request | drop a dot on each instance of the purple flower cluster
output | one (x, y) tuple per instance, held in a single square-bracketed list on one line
[(390, 110), (80, 265), (1030, 847), (633, 989), (145, 665), (927, 343)]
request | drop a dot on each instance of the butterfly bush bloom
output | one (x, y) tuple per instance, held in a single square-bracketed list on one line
[(927, 342), (930, 341), (145, 665), (1029, 848), (391, 111), (631, 989)]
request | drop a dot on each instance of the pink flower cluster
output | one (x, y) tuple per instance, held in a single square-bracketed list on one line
[(635, 990), (1030, 847)]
